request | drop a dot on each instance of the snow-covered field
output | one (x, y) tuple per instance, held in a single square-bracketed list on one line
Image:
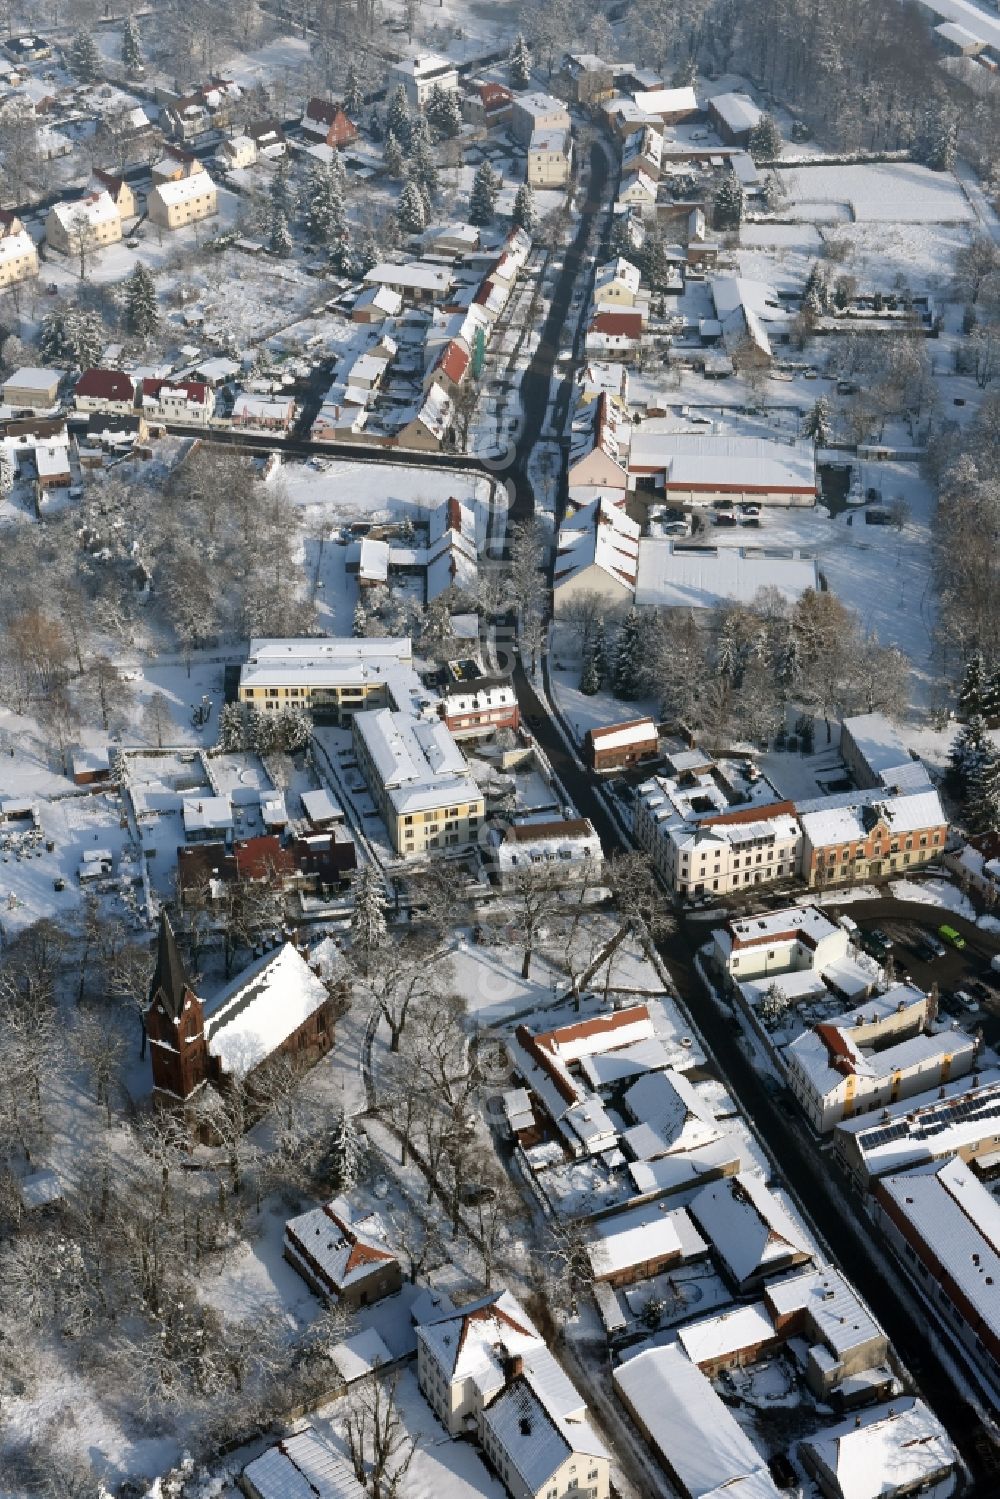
[(898, 192)]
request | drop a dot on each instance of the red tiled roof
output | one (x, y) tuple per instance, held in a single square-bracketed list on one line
[(626, 324), (113, 184), (257, 858), (326, 112), (494, 95), (106, 385), (454, 362)]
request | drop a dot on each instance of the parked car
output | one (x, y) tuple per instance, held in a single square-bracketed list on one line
[(951, 936), (965, 1000), (676, 528), (979, 991), (725, 517), (936, 946), (750, 511), (877, 944)]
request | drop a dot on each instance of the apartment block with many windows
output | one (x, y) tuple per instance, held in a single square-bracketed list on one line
[(419, 781)]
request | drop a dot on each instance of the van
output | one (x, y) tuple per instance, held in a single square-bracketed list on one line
[(951, 936)]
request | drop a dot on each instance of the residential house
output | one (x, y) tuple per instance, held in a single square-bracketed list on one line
[(268, 138), (52, 465), (883, 1051), (333, 678), (455, 240), (617, 285), (751, 1231), (237, 152), (213, 105), (902, 1447), (18, 254), (943, 1225), (596, 552), (276, 1005), (174, 165), (643, 152), (105, 390), (172, 205), (615, 335), (428, 427), (550, 158), (31, 387), (417, 282), (671, 106), (327, 122), (638, 190), (118, 190), (450, 560), (420, 75), (695, 1436), (419, 781), (820, 1306), (342, 1254), (487, 1365), (475, 703), (568, 847), (263, 413), (641, 1242), (537, 111), (375, 304), (797, 948), (857, 836), (586, 78), (451, 367), (187, 401), (600, 438), (489, 105), (87, 224), (620, 745), (734, 117)]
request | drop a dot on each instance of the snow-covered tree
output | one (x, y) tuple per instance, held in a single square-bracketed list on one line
[(131, 50), (937, 138), (283, 194), (325, 220), (141, 312), (83, 58), (348, 1151), (279, 241), (765, 140), (685, 75), (655, 262), (397, 117), (970, 747), (483, 198), (982, 792), (729, 202), (520, 62), (444, 111), (628, 670), (392, 155), (624, 239), (590, 677), (410, 213), (525, 214), (368, 925), (973, 691), (423, 167), (74, 336), (774, 1003), (353, 94), (7, 471), (360, 622), (818, 424)]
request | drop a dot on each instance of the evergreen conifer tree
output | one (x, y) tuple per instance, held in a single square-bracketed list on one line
[(818, 425), (6, 471), (325, 221), (397, 119), (84, 58), (590, 677), (368, 925), (131, 50), (348, 1151), (655, 261), (410, 212), (520, 62), (392, 155), (483, 198), (991, 697), (279, 241), (525, 215), (973, 691), (970, 747), (765, 140), (729, 202), (982, 792), (623, 238), (628, 669), (141, 312), (353, 96)]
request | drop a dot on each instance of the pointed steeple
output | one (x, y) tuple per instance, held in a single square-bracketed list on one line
[(170, 982)]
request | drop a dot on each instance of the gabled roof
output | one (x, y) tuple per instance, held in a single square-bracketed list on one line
[(106, 385), (454, 362), (617, 324)]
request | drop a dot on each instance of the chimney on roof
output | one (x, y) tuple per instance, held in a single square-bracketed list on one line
[(513, 1368)]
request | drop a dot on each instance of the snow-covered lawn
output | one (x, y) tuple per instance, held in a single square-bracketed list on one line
[(900, 192), (934, 893)]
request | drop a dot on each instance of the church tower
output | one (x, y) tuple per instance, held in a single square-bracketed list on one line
[(175, 1022)]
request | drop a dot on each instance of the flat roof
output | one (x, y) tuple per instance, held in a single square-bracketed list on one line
[(685, 577)]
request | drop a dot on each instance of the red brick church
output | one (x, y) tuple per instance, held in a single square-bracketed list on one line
[(278, 1005)]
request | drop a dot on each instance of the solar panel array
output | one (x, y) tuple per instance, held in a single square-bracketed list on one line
[(981, 1105)]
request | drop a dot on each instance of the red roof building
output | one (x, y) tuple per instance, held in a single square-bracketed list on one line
[(103, 388), (328, 123)]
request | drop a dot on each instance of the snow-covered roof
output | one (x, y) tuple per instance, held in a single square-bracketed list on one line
[(880, 746), (806, 924), (669, 1115), (695, 1434), (599, 535), (417, 760), (835, 1312), (724, 461), (828, 1054), (726, 1333), (947, 1209), (32, 377), (533, 1435), (319, 806), (551, 141), (661, 101), (341, 1246), (260, 1008), (249, 407), (642, 1234), (472, 1343), (902, 1445), (302, 1466), (92, 211), (841, 819), (679, 576), (207, 813), (944, 1121), (195, 186), (16, 246), (748, 1225), (416, 275), (622, 735), (424, 65), (540, 106), (328, 661), (737, 111)]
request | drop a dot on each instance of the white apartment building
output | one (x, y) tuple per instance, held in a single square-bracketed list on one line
[(537, 111), (18, 257), (421, 74), (334, 678), (700, 842), (87, 224), (487, 1364), (873, 1057), (791, 940), (174, 204), (419, 780), (568, 846), (550, 158)]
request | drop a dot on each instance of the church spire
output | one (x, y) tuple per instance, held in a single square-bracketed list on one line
[(170, 983)]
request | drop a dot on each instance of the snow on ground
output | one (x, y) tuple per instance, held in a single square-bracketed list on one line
[(934, 893), (900, 192), (341, 490), (802, 237), (580, 711), (921, 253)]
